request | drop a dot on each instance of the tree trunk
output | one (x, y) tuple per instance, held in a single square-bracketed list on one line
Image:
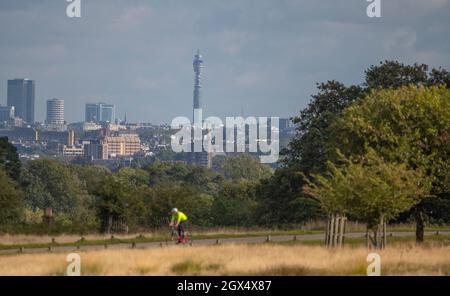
[(336, 230), (419, 225), (341, 231), (367, 237), (327, 232), (331, 239), (109, 224)]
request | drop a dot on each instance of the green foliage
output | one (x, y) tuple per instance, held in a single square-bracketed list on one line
[(134, 177), (118, 200), (49, 183), (9, 159), (395, 129), (235, 204), (392, 74), (281, 201), (11, 200), (368, 189), (91, 175), (308, 150), (188, 199), (163, 172), (409, 125), (242, 167)]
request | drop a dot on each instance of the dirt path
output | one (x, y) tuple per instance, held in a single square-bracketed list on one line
[(203, 242)]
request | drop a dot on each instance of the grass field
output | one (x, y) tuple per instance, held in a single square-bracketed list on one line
[(400, 258)]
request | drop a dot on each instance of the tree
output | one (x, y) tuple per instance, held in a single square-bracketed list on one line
[(241, 167), (439, 76), (282, 202), (312, 146), (235, 204), (9, 159), (393, 74), (11, 200), (308, 150), (119, 206), (162, 172), (134, 177), (370, 190), (91, 175), (187, 198), (49, 183), (410, 125)]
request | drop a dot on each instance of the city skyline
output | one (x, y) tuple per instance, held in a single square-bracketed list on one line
[(147, 75)]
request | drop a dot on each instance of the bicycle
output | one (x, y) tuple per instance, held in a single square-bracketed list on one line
[(178, 239)]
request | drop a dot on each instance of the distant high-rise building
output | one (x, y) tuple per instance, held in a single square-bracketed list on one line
[(55, 113), (91, 114), (6, 114), (107, 113), (99, 112), (21, 96), (71, 138)]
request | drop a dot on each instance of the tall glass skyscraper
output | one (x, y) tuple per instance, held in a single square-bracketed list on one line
[(21, 97), (100, 112)]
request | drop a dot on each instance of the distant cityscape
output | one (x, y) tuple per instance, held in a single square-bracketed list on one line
[(101, 137)]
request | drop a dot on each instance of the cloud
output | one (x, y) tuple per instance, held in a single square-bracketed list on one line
[(131, 18), (262, 56)]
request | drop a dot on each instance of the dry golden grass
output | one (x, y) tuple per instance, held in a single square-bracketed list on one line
[(263, 259)]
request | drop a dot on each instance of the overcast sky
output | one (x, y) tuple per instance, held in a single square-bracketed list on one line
[(262, 57)]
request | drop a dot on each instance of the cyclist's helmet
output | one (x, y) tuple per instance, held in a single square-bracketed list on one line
[(174, 210)]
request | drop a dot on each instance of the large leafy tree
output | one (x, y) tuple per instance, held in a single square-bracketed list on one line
[(410, 125)]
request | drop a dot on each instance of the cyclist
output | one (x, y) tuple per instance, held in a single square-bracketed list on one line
[(178, 220)]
